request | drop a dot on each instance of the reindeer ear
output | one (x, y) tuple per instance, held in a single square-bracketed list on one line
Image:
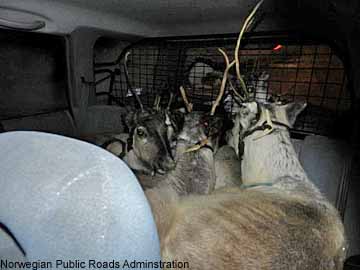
[(293, 109)]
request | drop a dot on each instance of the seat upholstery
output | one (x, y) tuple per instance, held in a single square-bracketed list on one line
[(66, 199), (327, 163), (101, 119), (59, 122)]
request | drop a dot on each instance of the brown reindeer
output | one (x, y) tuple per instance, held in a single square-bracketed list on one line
[(148, 147)]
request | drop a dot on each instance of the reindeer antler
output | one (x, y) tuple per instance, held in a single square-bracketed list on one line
[(188, 105), (197, 146), (236, 61), (129, 83), (236, 92), (157, 103), (223, 82), (245, 27), (170, 101), (270, 124)]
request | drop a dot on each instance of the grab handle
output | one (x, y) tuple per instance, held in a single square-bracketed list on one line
[(26, 26)]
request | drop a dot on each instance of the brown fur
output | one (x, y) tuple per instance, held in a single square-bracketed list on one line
[(227, 169), (237, 229), (283, 226)]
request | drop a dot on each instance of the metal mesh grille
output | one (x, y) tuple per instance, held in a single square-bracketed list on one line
[(298, 69)]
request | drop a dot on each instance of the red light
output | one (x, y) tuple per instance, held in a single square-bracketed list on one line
[(277, 47)]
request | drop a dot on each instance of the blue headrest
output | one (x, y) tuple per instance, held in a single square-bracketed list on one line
[(67, 199)]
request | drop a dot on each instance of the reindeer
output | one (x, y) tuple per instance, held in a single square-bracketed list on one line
[(148, 145), (200, 130), (194, 172)]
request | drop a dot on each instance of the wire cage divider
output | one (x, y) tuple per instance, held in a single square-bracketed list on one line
[(272, 64)]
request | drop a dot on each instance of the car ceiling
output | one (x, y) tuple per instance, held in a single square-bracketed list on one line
[(137, 17)]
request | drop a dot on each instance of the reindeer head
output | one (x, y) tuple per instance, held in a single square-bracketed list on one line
[(256, 120), (205, 128), (199, 130), (152, 133), (151, 139)]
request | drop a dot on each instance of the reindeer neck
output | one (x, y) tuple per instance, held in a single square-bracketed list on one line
[(194, 173), (269, 158)]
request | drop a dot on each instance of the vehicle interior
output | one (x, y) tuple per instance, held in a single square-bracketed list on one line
[(62, 72)]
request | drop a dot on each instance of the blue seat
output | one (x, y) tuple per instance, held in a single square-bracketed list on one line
[(64, 199)]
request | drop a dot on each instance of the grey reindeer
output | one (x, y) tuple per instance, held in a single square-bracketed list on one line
[(276, 220), (192, 173), (269, 156)]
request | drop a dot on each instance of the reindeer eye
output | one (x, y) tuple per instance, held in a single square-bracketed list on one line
[(140, 131)]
